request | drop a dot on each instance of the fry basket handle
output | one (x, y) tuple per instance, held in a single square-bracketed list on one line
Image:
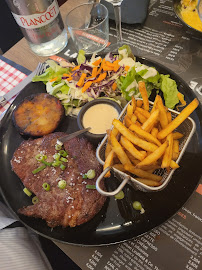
[(112, 193)]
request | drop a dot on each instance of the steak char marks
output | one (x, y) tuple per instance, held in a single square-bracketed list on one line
[(71, 206)]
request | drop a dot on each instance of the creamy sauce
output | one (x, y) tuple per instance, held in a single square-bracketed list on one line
[(99, 117)]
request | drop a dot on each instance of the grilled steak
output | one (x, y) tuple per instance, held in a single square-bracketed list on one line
[(71, 206)]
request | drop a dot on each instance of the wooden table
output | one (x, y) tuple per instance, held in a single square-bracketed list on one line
[(21, 53)]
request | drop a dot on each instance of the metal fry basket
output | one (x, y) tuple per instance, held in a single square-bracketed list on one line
[(187, 128)]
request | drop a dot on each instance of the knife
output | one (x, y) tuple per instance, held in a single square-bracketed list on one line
[(63, 139), (14, 91)]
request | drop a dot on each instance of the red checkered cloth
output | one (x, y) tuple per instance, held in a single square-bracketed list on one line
[(9, 77)]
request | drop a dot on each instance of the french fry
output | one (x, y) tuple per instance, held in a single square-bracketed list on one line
[(138, 124), (140, 117), (132, 138), (174, 165), (133, 103), (177, 135), (153, 156), (115, 131), (154, 132), (117, 148), (107, 150), (143, 174), (131, 148), (143, 92), (139, 103), (143, 112), (162, 114), (127, 120), (145, 135), (176, 151), (149, 123), (169, 116), (133, 118), (167, 157), (155, 103), (129, 111), (119, 167), (178, 120), (152, 166), (132, 159), (149, 182), (109, 162)]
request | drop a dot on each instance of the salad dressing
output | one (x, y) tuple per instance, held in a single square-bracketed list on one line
[(99, 117)]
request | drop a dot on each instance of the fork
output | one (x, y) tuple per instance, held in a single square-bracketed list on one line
[(40, 68)]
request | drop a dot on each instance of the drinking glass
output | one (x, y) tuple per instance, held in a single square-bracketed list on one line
[(88, 25)]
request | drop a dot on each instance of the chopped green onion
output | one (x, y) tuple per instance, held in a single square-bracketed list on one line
[(63, 153), (46, 186), (120, 195), (137, 205), (62, 184), (63, 159), (84, 176), (27, 191), (35, 200), (39, 169), (56, 163), (62, 167), (90, 186), (47, 163), (58, 147), (56, 156), (40, 157), (90, 174)]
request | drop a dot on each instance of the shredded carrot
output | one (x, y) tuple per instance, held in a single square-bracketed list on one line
[(65, 74), (116, 65), (97, 62), (100, 69), (127, 68), (53, 80), (101, 77), (94, 72), (116, 62), (109, 64), (86, 86), (107, 68), (75, 68), (114, 85), (103, 62), (69, 79), (81, 80)]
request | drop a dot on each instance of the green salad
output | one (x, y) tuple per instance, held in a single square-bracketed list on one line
[(114, 76)]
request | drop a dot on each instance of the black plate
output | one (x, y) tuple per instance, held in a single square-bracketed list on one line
[(117, 221), (176, 8)]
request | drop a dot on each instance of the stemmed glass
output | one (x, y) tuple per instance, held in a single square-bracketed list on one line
[(117, 14)]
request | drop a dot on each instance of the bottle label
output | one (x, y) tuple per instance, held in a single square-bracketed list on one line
[(38, 20)]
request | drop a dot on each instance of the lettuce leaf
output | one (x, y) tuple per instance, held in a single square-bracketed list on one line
[(126, 81), (81, 57), (125, 51), (169, 89), (44, 77)]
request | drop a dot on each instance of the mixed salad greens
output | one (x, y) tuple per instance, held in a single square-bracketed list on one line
[(114, 76)]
